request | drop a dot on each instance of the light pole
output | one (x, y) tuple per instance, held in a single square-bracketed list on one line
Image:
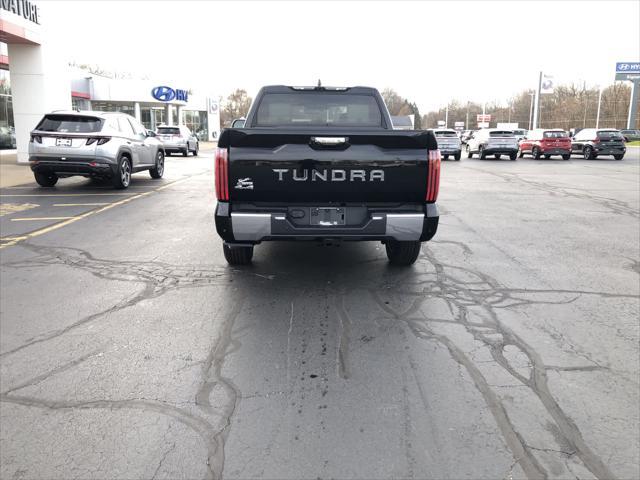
[(532, 95), (446, 117), (598, 114)]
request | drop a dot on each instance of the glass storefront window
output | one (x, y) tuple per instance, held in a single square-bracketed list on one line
[(127, 108), (151, 117), (196, 121), (6, 104), (79, 103)]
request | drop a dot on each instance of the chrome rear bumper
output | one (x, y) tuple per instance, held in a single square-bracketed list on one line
[(254, 227)]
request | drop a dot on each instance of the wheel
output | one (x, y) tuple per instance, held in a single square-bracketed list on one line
[(469, 154), (122, 178), (195, 152), (566, 157), (513, 156), (402, 253), (237, 255), (497, 156), (46, 179), (547, 156), (535, 153), (457, 156), (446, 157), (158, 170), (588, 153), (185, 152), (520, 153), (619, 157), (481, 152)]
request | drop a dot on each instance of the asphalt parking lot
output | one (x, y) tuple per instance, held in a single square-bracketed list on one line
[(129, 349)]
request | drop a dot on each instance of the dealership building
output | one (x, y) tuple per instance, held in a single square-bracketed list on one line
[(35, 78)]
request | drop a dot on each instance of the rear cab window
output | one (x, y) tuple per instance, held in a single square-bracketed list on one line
[(610, 135), (318, 109), (70, 124), (445, 133), (168, 131), (501, 133), (554, 134)]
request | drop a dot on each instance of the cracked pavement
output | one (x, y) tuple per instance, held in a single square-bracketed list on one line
[(129, 349)]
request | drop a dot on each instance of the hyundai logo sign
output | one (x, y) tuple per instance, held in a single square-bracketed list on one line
[(167, 94)]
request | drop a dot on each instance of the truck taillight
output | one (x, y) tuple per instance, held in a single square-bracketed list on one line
[(433, 178), (222, 174)]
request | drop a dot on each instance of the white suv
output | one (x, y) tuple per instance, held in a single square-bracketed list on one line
[(178, 139), (493, 141)]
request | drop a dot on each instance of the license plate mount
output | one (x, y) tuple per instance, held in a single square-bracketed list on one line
[(63, 142), (327, 216)]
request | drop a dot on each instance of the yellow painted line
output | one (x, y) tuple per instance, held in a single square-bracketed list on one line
[(10, 241), (64, 194), (34, 219), (79, 204)]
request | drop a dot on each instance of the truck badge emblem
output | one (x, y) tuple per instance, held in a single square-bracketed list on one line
[(244, 184)]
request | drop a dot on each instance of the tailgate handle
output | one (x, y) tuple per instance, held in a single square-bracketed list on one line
[(329, 141)]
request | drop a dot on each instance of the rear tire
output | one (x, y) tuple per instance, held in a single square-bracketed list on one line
[(619, 157), (481, 152), (402, 253), (513, 156), (446, 157), (195, 152), (566, 157), (158, 170), (588, 153), (547, 157), (497, 156), (122, 178), (457, 156), (237, 255), (185, 153), (46, 179), (469, 154), (535, 153)]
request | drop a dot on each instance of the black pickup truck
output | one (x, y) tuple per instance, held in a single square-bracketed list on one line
[(322, 163)]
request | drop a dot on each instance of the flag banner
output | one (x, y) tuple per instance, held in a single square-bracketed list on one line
[(547, 84)]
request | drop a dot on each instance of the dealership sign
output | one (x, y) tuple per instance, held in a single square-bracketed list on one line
[(23, 8), (168, 94), (483, 117), (628, 71)]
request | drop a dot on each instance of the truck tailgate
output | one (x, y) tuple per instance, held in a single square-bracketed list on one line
[(292, 167)]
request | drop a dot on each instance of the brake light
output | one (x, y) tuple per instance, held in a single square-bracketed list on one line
[(433, 178), (36, 138), (222, 174), (100, 140)]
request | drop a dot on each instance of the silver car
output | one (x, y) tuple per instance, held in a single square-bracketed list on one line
[(178, 139), (448, 142), (493, 141), (93, 144)]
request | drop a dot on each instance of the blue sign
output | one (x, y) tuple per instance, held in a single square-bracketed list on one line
[(167, 94), (628, 67)]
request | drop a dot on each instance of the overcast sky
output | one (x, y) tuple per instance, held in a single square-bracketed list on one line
[(430, 52)]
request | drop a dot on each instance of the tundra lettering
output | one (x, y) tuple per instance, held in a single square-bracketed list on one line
[(337, 175)]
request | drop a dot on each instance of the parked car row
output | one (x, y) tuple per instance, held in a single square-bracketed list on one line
[(542, 142), (108, 145)]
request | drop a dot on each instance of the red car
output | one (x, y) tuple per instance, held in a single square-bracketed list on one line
[(547, 142)]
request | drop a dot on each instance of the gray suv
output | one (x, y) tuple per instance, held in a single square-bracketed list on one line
[(95, 145)]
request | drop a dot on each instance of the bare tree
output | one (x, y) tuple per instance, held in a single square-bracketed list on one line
[(236, 106)]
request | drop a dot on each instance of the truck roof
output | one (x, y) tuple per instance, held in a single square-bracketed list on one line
[(294, 88)]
